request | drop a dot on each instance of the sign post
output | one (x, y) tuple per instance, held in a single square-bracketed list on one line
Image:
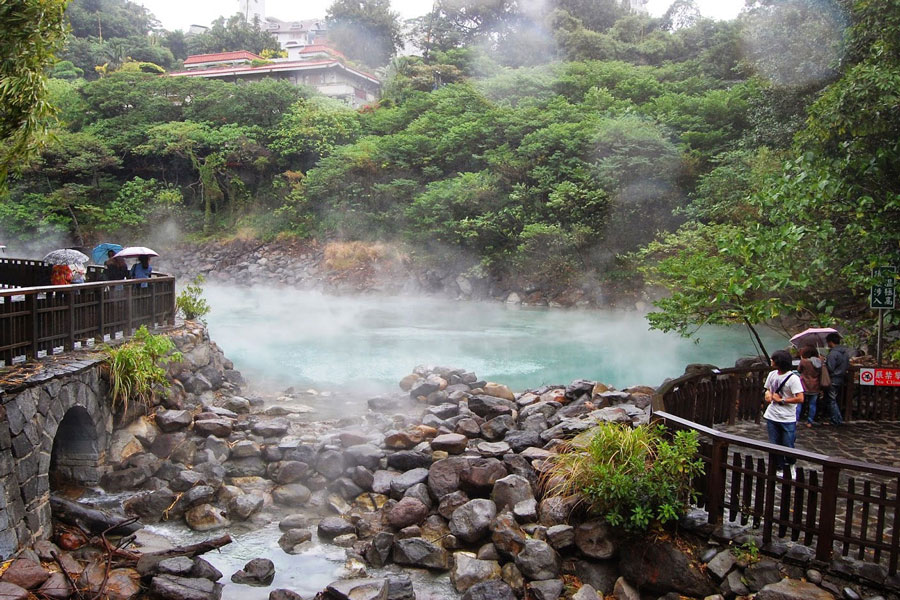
[(883, 297)]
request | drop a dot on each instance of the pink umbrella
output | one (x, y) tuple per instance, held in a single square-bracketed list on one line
[(814, 336)]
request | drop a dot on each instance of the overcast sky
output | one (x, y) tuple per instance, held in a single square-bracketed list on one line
[(180, 14)]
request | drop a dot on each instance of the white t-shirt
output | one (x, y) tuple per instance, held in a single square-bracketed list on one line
[(783, 413)]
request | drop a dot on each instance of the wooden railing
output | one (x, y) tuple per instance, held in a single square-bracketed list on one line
[(833, 504), (24, 272), (39, 321)]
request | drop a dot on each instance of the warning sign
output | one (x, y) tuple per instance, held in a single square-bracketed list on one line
[(879, 376)]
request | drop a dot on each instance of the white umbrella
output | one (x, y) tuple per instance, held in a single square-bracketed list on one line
[(814, 336), (65, 256), (132, 251)]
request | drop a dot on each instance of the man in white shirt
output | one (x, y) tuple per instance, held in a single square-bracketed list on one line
[(784, 390)]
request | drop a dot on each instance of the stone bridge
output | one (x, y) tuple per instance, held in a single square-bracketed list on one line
[(55, 429)]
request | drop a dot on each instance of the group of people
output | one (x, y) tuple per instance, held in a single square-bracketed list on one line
[(116, 269), (787, 391)]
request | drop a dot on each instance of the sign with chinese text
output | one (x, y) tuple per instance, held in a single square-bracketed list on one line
[(879, 376), (883, 287)]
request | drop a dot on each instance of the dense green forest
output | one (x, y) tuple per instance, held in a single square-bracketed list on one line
[(747, 169)]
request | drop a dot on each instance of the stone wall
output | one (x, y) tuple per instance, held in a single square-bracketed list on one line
[(31, 413)]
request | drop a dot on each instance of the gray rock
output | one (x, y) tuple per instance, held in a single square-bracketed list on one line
[(258, 572), (595, 539), (526, 511), (245, 505), (205, 517), (283, 594), (401, 483), (179, 565), (721, 565), (761, 574), (418, 552), (451, 443), (472, 521), (489, 407), (793, 589), (660, 568), (489, 590), (331, 527), (586, 592), (173, 420), (218, 427), (292, 494), (538, 560), (172, 587), (511, 490), (365, 455), (400, 587), (330, 463), (625, 591), (358, 589), (561, 536), (468, 571), (292, 538), (548, 589)]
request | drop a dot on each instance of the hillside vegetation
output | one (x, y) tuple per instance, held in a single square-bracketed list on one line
[(746, 169)]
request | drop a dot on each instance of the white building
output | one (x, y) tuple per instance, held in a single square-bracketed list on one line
[(293, 35), (317, 66)]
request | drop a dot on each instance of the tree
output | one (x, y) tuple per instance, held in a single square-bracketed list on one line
[(232, 35), (31, 32), (365, 30)]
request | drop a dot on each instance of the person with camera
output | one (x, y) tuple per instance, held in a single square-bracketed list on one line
[(784, 390)]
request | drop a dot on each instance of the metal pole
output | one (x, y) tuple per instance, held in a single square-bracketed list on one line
[(880, 330)]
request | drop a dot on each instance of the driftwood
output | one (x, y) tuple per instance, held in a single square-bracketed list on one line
[(91, 519), (146, 564)]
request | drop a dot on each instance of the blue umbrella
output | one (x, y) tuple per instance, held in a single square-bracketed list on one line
[(98, 254)]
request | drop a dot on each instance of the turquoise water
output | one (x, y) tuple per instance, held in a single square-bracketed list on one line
[(284, 338)]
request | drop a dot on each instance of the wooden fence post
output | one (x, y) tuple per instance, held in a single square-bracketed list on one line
[(825, 534), (71, 310), (101, 300), (716, 498), (128, 300), (31, 301), (734, 408)]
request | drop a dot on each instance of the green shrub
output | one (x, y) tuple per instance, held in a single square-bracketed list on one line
[(191, 302), (135, 367), (631, 477)]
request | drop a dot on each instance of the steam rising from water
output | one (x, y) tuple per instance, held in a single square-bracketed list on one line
[(307, 339)]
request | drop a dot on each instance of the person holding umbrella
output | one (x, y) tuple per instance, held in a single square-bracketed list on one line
[(838, 363), (116, 267), (142, 269)]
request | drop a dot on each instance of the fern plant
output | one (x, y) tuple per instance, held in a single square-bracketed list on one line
[(136, 367), (191, 302), (632, 477)]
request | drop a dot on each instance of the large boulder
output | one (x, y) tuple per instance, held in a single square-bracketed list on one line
[(358, 589), (660, 568), (489, 590), (595, 539), (172, 587), (510, 490), (793, 589), (258, 572)]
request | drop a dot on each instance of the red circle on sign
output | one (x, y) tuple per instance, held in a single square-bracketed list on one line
[(867, 376)]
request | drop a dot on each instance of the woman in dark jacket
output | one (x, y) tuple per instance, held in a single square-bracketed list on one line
[(810, 370)]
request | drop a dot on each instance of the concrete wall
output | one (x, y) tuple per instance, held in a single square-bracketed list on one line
[(31, 413)]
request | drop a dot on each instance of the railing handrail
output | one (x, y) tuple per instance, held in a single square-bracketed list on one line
[(823, 459), (4, 292)]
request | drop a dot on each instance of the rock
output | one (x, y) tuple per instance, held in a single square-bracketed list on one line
[(538, 560), (761, 574), (507, 536), (418, 552), (471, 521), (290, 471), (444, 475), (179, 565), (401, 483), (555, 510), (595, 539), (526, 511), (408, 511), (200, 494), (365, 455), (330, 463), (283, 594), (793, 589), (489, 407), (452, 443), (173, 420), (258, 572), (625, 591), (204, 570), (468, 570), (271, 428), (172, 587), (292, 494), (11, 591), (331, 527), (498, 390), (733, 586), (511, 490), (548, 589), (122, 584), (25, 573), (400, 587), (407, 460), (721, 565), (245, 505), (489, 590), (245, 449), (205, 517), (358, 589), (482, 474), (561, 536), (218, 427), (293, 538), (378, 553), (586, 592), (56, 587), (660, 568)]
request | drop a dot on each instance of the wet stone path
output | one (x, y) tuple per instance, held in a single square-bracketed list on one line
[(864, 441)]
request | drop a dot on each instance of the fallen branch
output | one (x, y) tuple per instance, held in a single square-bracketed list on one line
[(93, 520)]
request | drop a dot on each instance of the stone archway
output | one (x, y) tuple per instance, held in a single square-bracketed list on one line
[(76, 454)]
